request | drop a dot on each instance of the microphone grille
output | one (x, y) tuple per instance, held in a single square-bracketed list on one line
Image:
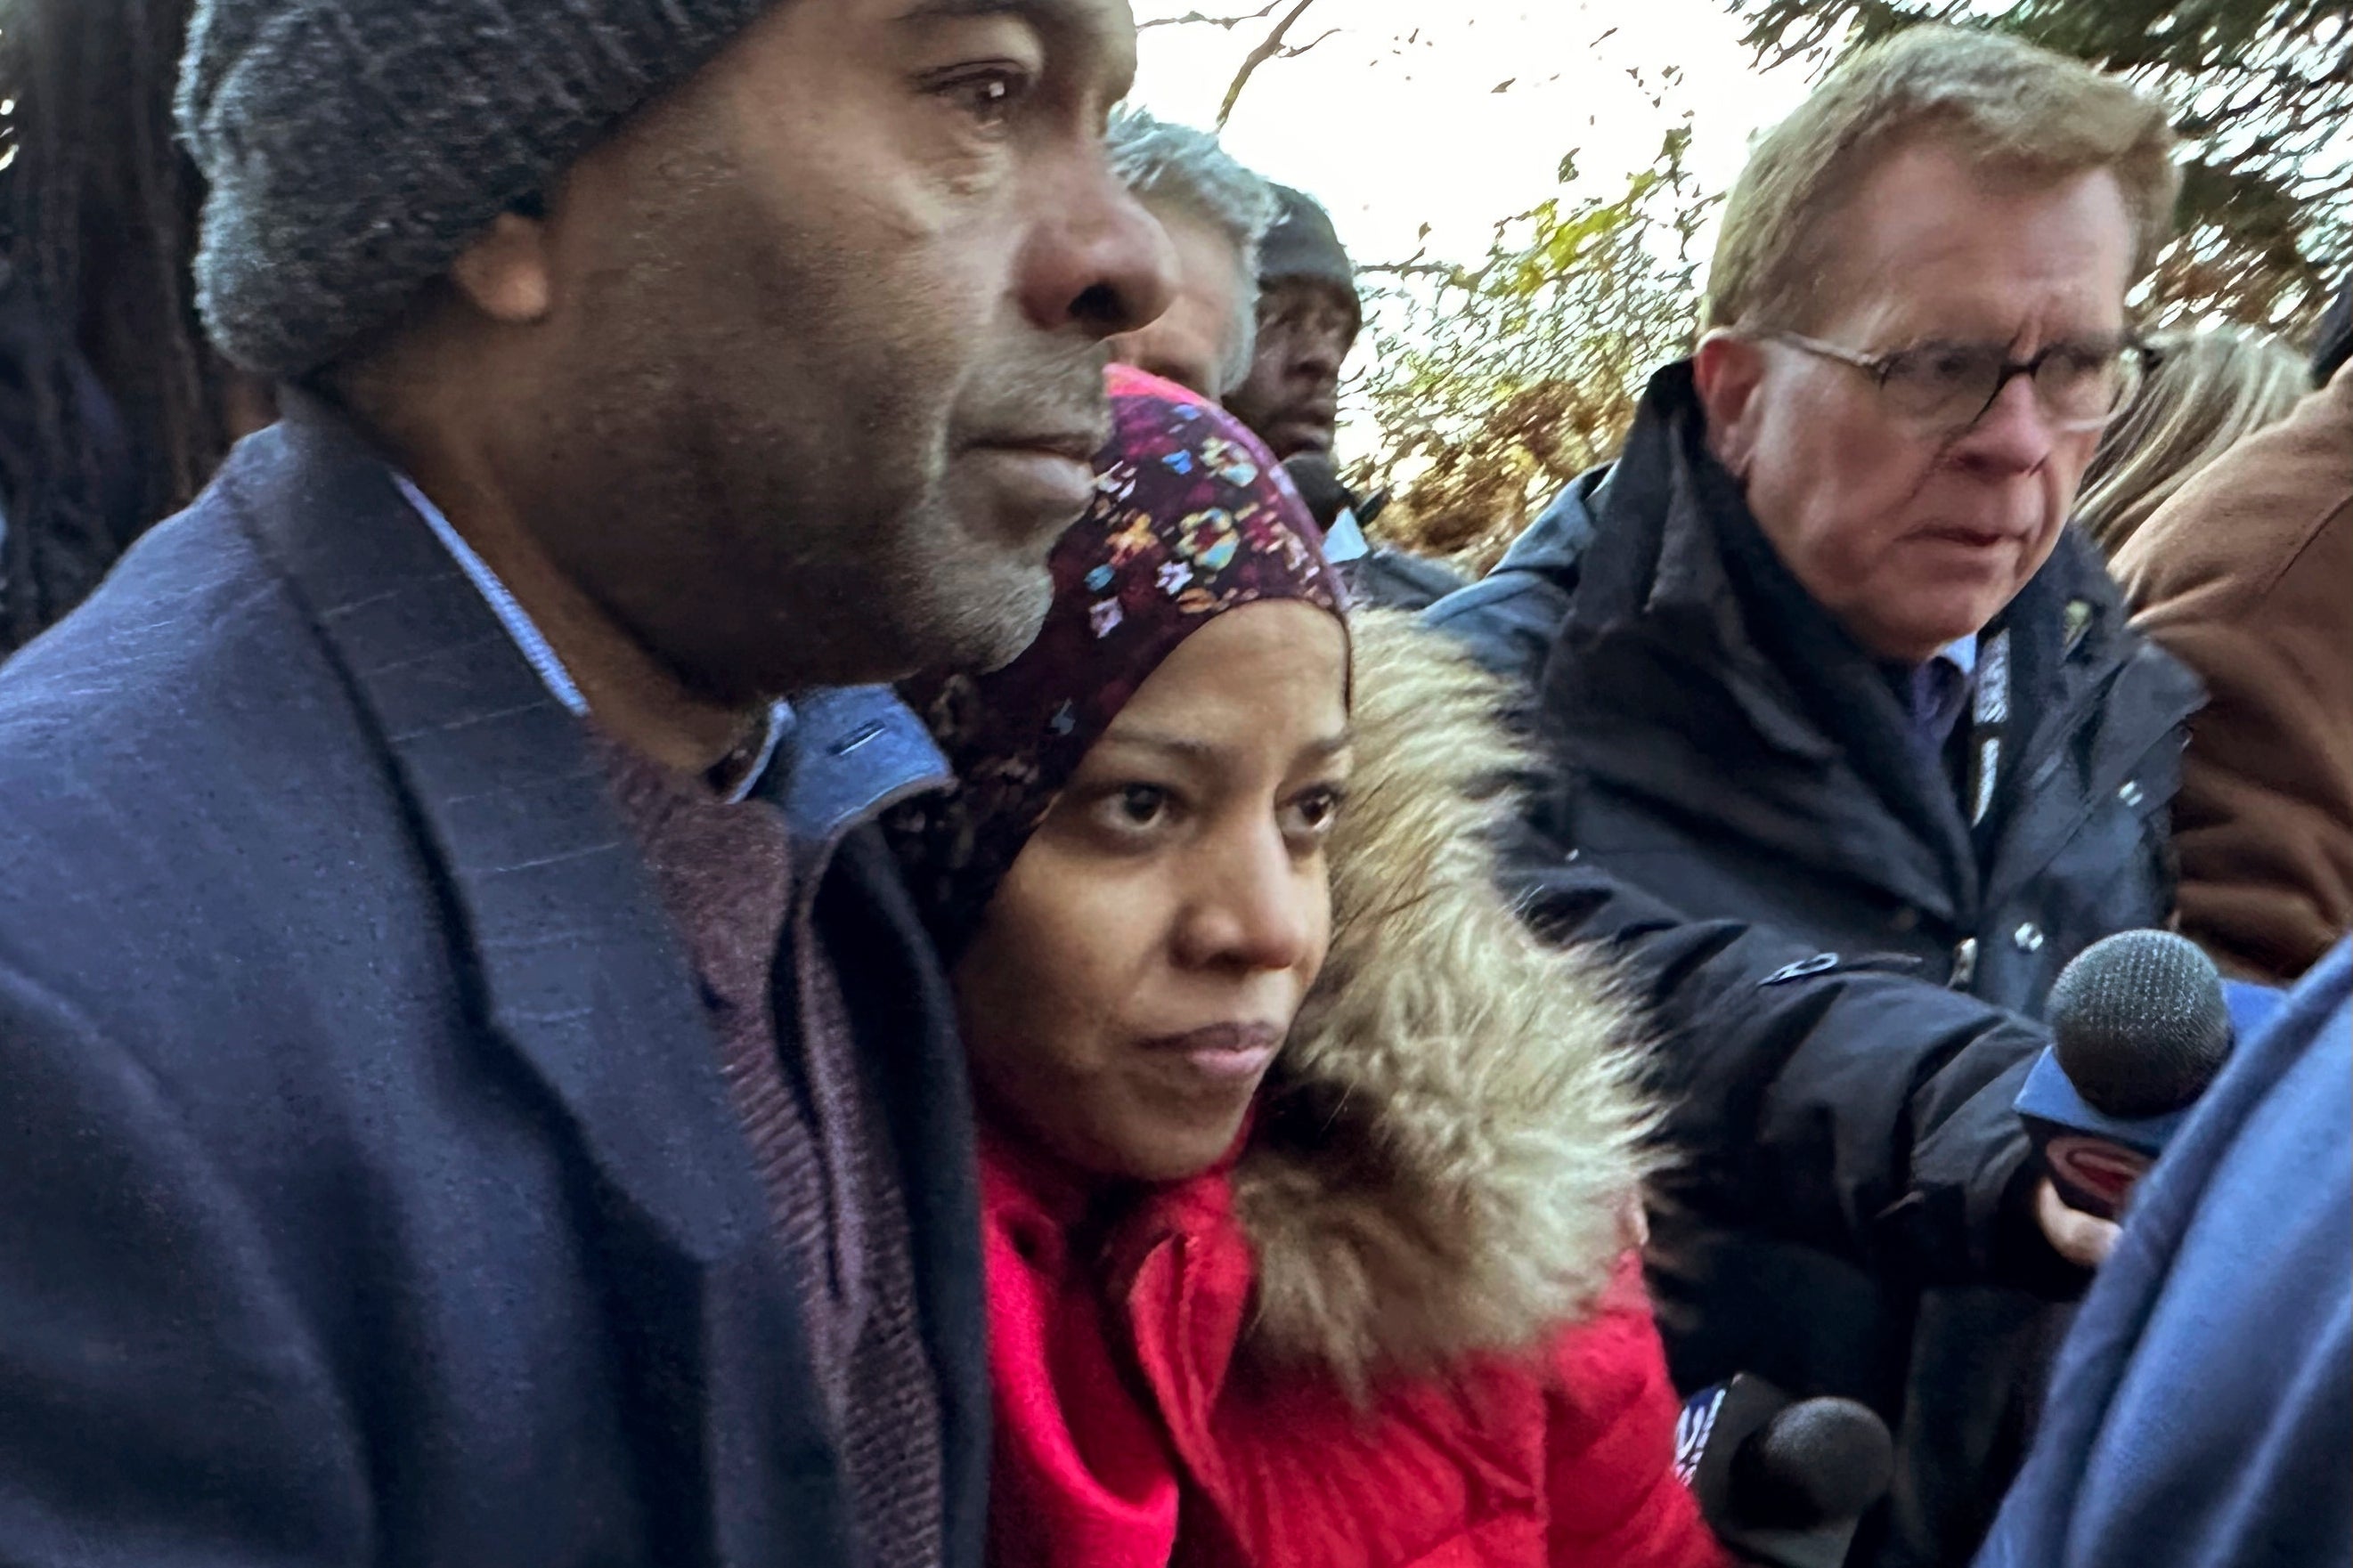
[(2140, 1023), (1817, 1461)]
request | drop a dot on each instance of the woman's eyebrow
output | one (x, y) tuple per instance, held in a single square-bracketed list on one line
[(1181, 746)]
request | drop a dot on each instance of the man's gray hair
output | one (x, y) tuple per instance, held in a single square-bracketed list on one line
[(2000, 102), (1179, 167)]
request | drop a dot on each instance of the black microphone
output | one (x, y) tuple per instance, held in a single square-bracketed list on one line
[(1337, 509), (1783, 1483), (1317, 480), (2139, 1027)]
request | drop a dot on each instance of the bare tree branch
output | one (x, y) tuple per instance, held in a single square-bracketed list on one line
[(1228, 23), (1268, 48)]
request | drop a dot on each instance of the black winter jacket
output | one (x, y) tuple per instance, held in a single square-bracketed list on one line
[(1726, 746), (1852, 1203)]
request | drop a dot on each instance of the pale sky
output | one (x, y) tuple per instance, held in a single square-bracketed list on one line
[(1394, 120)]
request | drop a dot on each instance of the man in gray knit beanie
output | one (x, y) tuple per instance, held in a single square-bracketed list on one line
[(770, 319), (477, 1090)]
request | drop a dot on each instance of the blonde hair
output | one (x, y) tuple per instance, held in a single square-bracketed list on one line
[(2206, 391), (2019, 108)]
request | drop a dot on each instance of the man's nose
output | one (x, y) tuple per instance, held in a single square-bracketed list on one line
[(1317, 355), (1096, 258), (2014, 436)]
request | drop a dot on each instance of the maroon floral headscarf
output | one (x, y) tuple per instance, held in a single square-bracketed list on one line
[(1191, 518)]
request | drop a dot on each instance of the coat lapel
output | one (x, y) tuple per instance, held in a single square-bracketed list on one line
[(579, 970), (580, 975)]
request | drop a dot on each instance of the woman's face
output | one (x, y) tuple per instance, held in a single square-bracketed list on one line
[(1140, 965)]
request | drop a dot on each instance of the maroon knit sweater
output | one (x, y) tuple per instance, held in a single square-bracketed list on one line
[(727, 874)]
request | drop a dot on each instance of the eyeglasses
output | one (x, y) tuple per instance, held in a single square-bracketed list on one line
[(1948, 387)]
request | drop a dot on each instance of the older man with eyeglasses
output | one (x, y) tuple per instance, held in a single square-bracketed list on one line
[(1854, 748)]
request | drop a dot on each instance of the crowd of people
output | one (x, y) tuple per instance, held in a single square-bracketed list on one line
[(722, 844)]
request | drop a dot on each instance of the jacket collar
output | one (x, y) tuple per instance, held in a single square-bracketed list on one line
[(850, 753), (1676, 552), (1681, 592), (1558, 539)]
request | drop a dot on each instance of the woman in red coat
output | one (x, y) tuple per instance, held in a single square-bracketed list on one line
[(1305, 1169)]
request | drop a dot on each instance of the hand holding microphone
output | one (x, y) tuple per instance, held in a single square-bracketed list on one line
[(2141, 1028), (2082, 1240)]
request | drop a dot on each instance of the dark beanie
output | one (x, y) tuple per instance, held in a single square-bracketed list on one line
[(1302, 244), (2334, 345), (354, 148)]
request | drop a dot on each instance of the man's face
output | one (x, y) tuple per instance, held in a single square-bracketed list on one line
[(1912, 536), (1197, 337), (822, 377), (1305, 328)]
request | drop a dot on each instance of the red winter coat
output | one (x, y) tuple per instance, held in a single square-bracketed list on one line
[(1426, 1209), (1127, 1438)]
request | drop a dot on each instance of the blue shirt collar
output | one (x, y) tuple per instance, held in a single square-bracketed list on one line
[(537, 649), (1961, 653)]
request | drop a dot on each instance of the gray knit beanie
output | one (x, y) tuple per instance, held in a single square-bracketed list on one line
[(354, 148)]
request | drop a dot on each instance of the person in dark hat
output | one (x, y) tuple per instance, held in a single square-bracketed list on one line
[(477, 1090), (1308, 318), (1309, 314)]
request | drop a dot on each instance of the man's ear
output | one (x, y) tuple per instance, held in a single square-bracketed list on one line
[(507, 272), (1727, 370)]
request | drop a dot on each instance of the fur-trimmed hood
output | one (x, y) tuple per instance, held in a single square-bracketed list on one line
[(1448, 1140)]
